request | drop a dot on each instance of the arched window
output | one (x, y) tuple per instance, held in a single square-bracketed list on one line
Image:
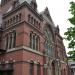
[(14, 19), (37, 42), (31, 70), (6, 47), (29, 18), (34, 41), (38, 69), (14, 39), (48, 41), (19, 16), (32, 20), (11, 21), (10, 40)]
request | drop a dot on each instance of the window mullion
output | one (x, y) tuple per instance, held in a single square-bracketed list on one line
[(35, 42)]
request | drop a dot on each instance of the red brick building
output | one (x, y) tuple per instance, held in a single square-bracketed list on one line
[(30, 44)]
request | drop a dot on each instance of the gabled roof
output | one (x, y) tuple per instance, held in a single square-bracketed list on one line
[(47, 17), (47, 14)]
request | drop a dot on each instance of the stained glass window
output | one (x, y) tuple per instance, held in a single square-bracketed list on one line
[(48, 41)]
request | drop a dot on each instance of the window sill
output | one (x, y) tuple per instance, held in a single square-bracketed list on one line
[(26, 49)]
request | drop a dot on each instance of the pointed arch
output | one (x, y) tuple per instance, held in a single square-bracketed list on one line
[(49, 39), (47, 25)]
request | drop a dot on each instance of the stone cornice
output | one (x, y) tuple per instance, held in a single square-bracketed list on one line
[(12, 25), (26, 49), (19, 7), (39, 30)]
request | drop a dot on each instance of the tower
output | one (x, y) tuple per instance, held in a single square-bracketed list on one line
[(5, 5), (34, 4)]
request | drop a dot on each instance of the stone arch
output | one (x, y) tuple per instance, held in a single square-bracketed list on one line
[(49, 39), (47, 25)]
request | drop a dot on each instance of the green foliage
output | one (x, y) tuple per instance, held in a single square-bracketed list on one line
[(70, 33), (72, 55)]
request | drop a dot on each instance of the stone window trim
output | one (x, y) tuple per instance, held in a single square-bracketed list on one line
[(34, 41), (31, 69), (48, 42), (12, 40), (33, 21), (8, 22), (38, 69), (29, 16), (12, 20)]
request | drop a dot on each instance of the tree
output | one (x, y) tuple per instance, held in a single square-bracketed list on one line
[(70, 33), (72, 55)]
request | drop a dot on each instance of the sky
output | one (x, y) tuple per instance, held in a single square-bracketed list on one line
[(59, 11)]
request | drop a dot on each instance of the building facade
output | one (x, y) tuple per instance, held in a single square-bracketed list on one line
[(71, 67), (30, 43)]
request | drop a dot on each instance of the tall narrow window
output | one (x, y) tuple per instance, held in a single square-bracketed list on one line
[(38, 69), (39, 26), (20, 16), (37, 42), (11, 21), (32, 20), (14, 39), (44, 71), (7, 42), (29, 18), (17, 18), (34, 41), (8, 22), (4, 24), (10, 43), (31, 68), (48, 41), (14, 19), (31, 40)]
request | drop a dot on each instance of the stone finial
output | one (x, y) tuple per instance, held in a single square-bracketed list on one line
[(57, 28), (34, 4)]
